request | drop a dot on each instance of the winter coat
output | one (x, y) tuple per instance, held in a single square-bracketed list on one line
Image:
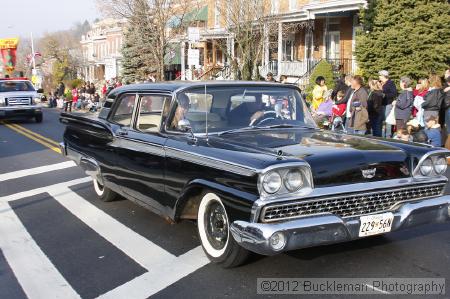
[(375, 103), (360, 116), (404, 105), (390, 92), (433, 100), (434, 135)]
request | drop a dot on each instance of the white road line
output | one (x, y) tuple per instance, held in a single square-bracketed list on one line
[(36, 274), (377, 289), (36, 170), (36, 191), (160, 276), (140, 249)]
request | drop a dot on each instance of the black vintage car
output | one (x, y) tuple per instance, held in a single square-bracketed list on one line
[(246, 160)]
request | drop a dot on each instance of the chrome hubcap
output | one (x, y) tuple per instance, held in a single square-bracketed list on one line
[(216, 225)]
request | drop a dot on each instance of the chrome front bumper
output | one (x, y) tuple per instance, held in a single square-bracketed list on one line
[(328, 228)]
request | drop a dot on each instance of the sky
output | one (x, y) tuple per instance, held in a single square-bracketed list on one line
[(20, 17)]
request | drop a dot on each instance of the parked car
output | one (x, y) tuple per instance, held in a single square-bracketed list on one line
[(18, 99), (247, 162)]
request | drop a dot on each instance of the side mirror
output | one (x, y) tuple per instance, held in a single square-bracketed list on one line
[(40, 90), (184, 125)]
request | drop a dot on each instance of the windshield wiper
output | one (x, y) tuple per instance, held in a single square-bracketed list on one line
[(284, 126), (249, 128)]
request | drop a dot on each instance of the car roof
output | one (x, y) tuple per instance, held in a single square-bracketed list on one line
[(171, 86)]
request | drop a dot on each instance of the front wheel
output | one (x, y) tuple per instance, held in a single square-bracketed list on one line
[(104, 193), (214, 231), (38, 118)]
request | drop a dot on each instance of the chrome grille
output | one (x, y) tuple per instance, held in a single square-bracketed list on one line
[(348, 205), (19, 101)]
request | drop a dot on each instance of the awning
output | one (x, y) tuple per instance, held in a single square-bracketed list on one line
[(200, 14)]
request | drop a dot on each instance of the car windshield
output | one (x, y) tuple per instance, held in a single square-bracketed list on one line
[(229, 108), (7, 86)]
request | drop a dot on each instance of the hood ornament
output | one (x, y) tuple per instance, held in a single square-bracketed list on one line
[(369, 173)]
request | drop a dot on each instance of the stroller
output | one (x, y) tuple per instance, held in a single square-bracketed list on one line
[(337, 118)]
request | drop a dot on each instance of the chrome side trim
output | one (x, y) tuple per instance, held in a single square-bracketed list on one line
[(210, 162), (416, 171), (344, 189), (140, 146)]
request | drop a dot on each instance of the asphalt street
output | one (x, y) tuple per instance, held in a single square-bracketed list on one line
[(57, 240)]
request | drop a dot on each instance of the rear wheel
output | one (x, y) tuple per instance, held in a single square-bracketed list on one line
[(104, 193), (214, 231), (38, 118)]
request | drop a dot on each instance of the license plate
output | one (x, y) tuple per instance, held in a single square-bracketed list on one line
[(375, 224)]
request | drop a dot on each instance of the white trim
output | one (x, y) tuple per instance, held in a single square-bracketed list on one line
[(208, 198), (97, 188)]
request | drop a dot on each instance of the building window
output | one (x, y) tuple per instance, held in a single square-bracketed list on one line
[(275, 6), (292, 5)]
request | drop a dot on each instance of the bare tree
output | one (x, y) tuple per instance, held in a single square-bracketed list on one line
[(157, 23)]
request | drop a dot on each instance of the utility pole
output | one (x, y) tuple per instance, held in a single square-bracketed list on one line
[(32, 54)]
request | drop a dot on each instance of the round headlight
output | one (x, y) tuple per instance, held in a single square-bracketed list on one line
[(272, 182), (426, 167), (293, 180), (440, 165)]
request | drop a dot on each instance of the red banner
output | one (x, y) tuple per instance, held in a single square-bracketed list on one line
[(8, 48)]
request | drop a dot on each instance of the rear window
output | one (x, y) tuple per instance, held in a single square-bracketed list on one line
[(7, 86)]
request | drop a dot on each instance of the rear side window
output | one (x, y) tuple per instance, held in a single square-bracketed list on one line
[(124, 112), (151, 111)]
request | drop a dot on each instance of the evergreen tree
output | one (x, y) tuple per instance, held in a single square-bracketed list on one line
[(130, 57), (405, 37)]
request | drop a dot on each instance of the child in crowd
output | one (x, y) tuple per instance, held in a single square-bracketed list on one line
[(324, 111), (404, 135), (339, 109), (416, 131), (433, 131)]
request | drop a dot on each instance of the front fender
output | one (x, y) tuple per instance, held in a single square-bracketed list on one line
[(237, 203)]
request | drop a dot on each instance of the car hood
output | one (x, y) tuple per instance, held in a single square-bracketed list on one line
[(335, 159)]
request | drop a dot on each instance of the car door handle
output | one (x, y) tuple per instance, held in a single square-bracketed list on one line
[(122, 132)]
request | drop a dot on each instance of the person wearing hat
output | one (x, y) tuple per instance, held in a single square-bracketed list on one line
[(416, 131), (390, 94), (270, 78)]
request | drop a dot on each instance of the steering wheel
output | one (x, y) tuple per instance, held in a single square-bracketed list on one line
[(268, 115)]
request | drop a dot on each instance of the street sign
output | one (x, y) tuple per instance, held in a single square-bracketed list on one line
[(193, 34), (193, 56)]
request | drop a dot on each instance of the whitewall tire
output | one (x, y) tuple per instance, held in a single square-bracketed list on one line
[(214, 232), (103, 192)]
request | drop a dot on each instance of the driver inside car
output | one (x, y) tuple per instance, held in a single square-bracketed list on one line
[(181, 111)]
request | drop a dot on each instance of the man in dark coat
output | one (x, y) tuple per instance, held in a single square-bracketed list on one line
[(390, 94)]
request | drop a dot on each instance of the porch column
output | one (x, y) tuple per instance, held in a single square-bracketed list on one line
[(280, 48), (205, 53), (183, 60), (266, 53), (214, 58)]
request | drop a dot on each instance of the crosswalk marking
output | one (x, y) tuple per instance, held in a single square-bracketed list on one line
[(40, 190), (36, 274), (36, 170), (140, 249), (160, 277), (163, 267)]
